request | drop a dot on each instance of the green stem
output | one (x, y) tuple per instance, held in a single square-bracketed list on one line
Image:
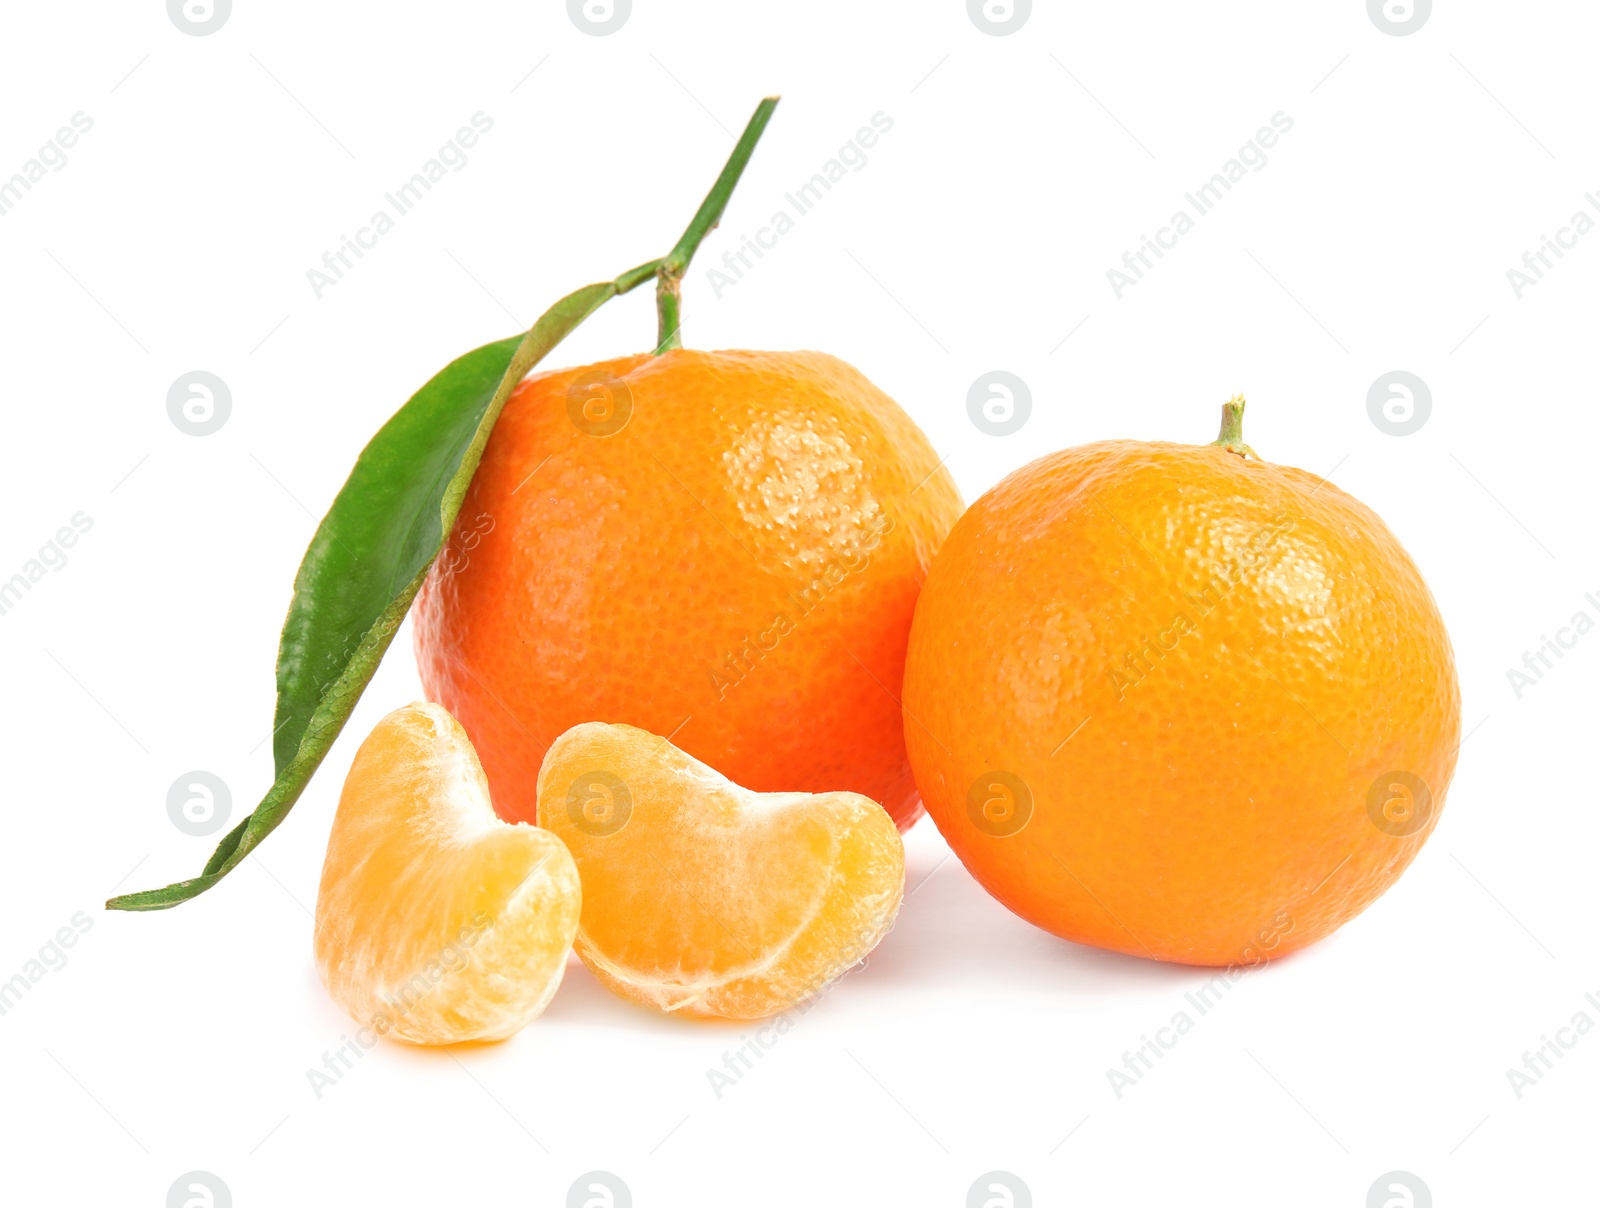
[(669, 307), (635, 277), (669, 274), (1231, 437)]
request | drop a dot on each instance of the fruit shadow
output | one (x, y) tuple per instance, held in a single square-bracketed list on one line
[(950, 932)]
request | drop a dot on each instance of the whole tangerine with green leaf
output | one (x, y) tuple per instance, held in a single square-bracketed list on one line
[(721, 547)]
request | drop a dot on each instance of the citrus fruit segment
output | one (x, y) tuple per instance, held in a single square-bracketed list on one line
[(436, 921), (1179, 703), (704, 898), (767, 517)]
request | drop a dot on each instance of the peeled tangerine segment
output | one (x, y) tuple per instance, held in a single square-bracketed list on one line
[(705, 898), (436, 921)]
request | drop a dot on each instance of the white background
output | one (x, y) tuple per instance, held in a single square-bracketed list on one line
[(1019, 169)]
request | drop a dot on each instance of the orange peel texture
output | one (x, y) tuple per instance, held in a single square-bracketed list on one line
[(724, 547), (1170, 701)]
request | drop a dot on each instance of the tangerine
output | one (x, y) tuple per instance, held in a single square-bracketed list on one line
[(1177, 701), (722, 547)]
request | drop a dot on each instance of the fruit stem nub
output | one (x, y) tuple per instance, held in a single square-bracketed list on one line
[(1231, 437), (669, 274)]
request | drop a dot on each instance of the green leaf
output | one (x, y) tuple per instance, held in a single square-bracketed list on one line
[(369, 557), (389, 522)]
